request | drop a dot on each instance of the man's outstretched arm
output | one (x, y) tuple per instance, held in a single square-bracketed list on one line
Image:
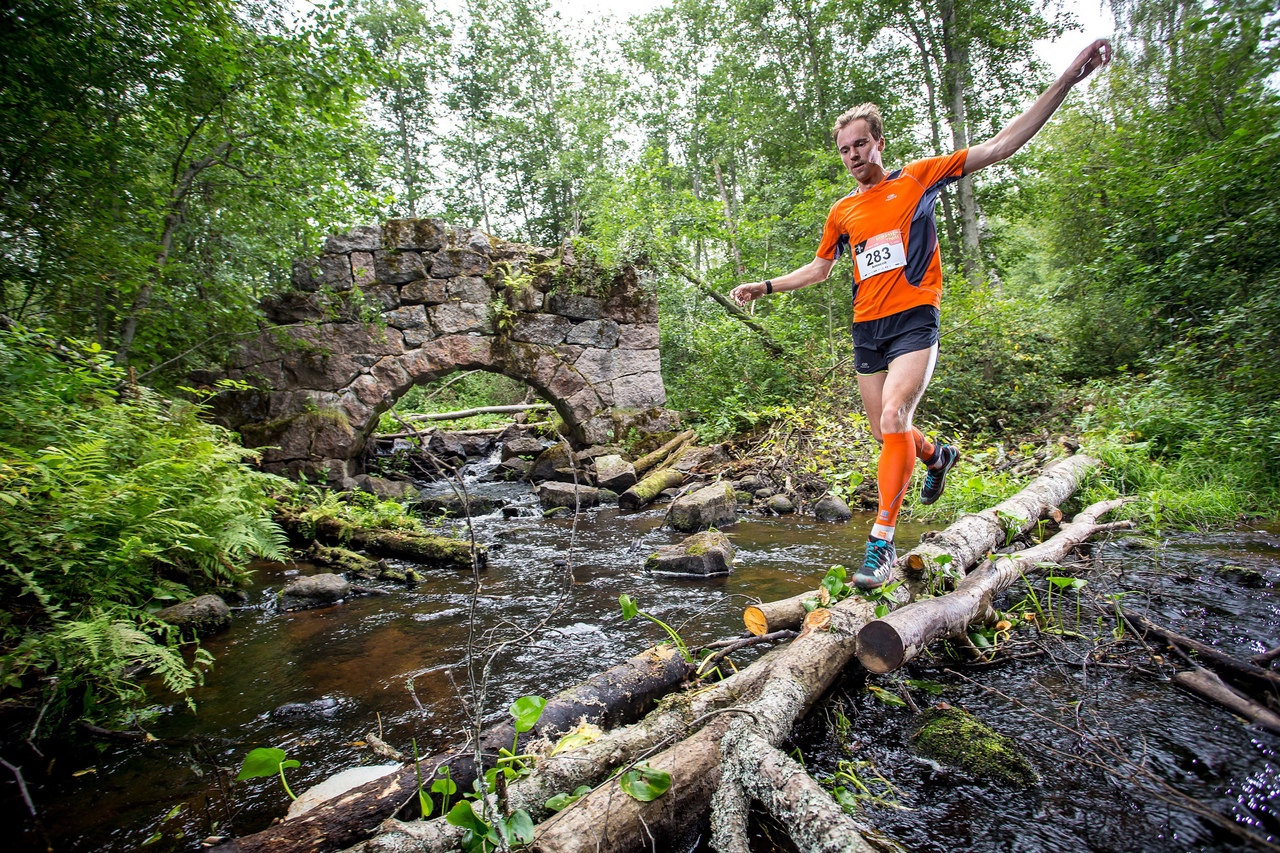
[(811, 273), (1019, 131)]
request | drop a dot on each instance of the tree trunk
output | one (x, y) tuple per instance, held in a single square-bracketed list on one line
[(644, 463), (644, 492), (969, 540), (889, 642), (956, 72), (614, 697), (729, 221), (1207, 684)]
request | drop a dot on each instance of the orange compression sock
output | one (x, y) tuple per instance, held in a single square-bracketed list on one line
[(897, 459), (926, 451)]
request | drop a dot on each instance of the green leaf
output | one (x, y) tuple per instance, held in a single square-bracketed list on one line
[(645, 783), (628, 605), (462, 815), (445, 787), (526, 710), (886, 697), (425, 804), (263, 761), (518, 829), (929, 686), (882, 610)]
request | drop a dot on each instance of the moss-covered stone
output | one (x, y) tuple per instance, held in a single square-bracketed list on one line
[(956, 737)]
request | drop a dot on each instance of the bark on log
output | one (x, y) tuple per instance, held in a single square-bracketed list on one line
[(419, 547), (765, 774), (970, 539), (644, 492), (1262, 684), (1208, 685), (649, 460), (614, 697), (769, 616), (888, 643)]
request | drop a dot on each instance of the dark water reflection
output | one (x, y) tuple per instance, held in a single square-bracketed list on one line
[(379, 657)]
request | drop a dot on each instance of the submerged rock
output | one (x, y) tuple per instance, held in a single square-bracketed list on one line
[(200, 616), (832, 508), (315, 591), (706, 553), (710, 506), (958, 738), (325, 707)]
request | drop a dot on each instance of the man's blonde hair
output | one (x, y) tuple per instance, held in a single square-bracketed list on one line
[(869, 113)]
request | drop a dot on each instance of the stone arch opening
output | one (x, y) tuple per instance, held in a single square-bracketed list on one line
[(387, 308)]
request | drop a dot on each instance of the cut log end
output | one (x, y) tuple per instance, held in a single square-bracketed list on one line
[(915, 562), (880, 647), (755, 620)]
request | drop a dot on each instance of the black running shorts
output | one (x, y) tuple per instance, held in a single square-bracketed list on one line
[(878, 342)]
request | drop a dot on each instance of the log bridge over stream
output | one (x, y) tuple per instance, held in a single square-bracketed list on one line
[(388, 307)]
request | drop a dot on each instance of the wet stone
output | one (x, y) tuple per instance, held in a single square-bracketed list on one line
[(567, 495), (315, 591), (832, 508), (200, 616), (703, 554), (710, 506), (781, 504)]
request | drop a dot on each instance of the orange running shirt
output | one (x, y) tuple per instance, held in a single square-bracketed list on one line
[(894, 237)]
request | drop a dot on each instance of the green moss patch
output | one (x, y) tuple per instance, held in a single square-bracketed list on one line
[(961, 740)]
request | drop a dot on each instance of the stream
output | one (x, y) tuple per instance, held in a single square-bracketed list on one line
[(314, 683)]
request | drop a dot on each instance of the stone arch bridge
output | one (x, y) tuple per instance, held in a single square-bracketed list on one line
[(386, 308)]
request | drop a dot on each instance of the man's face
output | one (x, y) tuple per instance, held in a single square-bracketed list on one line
[(860, 152)]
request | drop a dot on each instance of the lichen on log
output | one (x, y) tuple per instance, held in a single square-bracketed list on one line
[(644, 492)]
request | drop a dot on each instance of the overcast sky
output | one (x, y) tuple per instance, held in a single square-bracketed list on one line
[(1093, 17)]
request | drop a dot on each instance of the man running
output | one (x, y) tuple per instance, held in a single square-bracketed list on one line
[(888, 221)]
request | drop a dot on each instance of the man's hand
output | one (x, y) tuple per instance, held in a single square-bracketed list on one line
[(1090, 59), (744, 293)]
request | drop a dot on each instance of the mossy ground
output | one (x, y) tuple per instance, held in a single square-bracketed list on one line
[(956, 737)]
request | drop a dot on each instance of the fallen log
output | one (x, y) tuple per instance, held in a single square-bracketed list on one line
[(968, 541), (1263, 684), (649, 460), (887, 643), (1265, 659), (762, 772), (769, 616), (1208, 685), (478, 410), (797, 676), (401, 544), (614, 697), (588, 764), (647, 490)]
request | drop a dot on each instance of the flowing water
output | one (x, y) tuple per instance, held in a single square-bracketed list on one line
[(395, 664)]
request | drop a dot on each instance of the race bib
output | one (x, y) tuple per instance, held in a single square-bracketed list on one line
[(879, 254)]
